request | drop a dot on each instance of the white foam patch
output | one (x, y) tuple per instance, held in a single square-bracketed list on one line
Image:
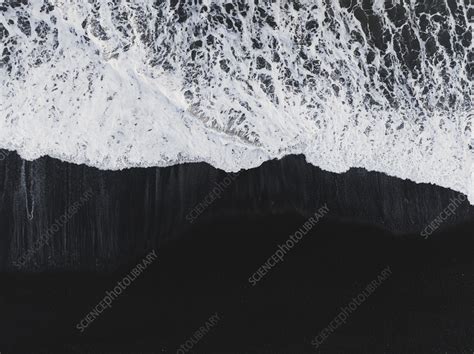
[(125, 84)]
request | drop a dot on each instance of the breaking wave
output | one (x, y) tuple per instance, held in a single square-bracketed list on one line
[(383, 85)]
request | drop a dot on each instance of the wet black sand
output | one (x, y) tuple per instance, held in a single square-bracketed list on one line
[(137, 209), (425, 306)]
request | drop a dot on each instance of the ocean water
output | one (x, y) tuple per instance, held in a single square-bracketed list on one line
[(382, 85)]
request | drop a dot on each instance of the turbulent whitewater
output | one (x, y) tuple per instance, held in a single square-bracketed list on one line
[(384, 85)]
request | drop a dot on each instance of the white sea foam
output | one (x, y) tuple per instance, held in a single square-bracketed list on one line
[(130, 83)]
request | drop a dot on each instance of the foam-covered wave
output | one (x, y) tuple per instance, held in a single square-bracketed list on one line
[(383, 85)]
